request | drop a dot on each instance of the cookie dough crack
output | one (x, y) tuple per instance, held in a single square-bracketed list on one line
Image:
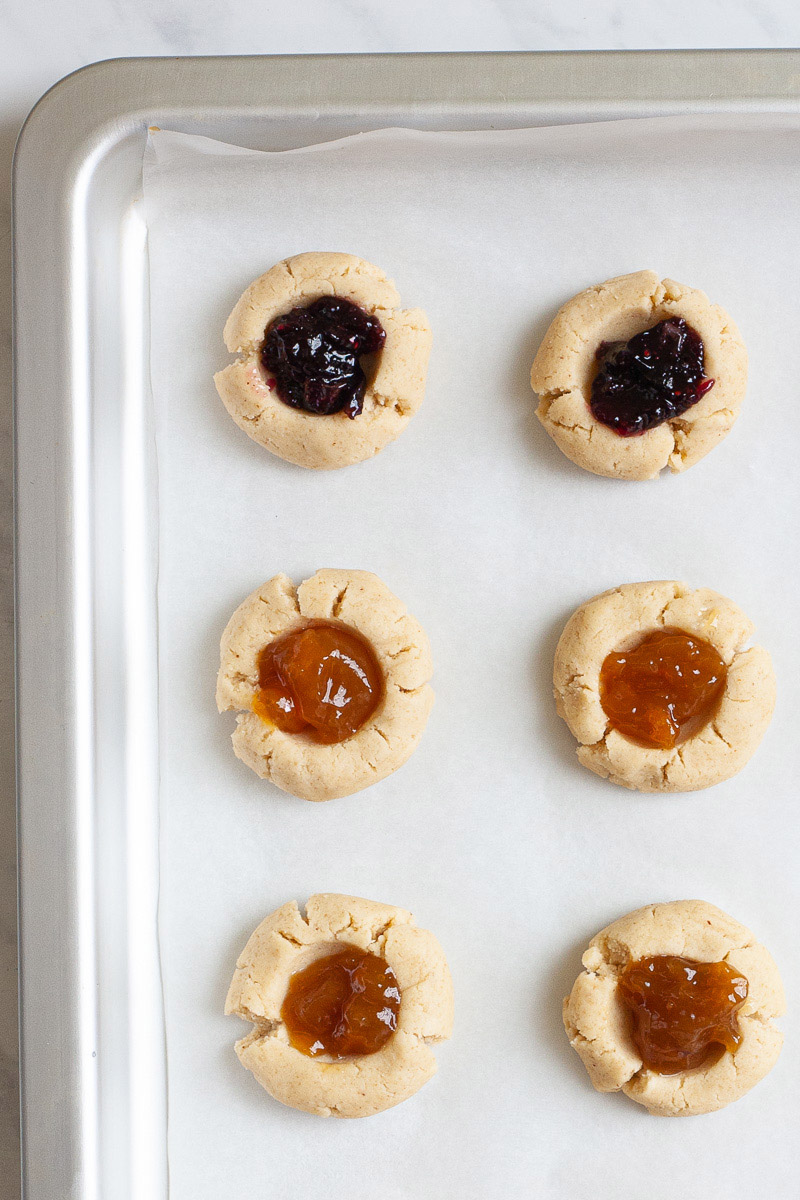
[(767, 1022), (576, 428), (287, 937), (547, 398), (715, 730), (396, 403), (336, 607), (601, 744), (263, 1027), (573, 681)]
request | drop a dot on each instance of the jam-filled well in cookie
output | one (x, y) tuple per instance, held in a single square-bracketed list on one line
[(683, 1013), (342, 1005), (312, 355), (663, 690), (652, 378), (321, 679)]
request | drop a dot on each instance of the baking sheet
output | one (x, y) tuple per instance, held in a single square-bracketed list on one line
[(491, 834)]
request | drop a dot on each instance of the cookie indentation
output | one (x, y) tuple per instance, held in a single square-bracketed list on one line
[(654, 377), (683, 1012), (664, 690), (322, 679), (315, 353), (342, 1005)]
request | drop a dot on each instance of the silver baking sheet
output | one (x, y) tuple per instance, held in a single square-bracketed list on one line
[(93, 1054)]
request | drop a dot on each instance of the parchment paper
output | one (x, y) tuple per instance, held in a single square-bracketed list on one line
[(492, 834)]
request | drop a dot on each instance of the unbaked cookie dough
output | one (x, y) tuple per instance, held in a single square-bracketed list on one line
[(615, 311), (395, 386), (291, 761), (615, 621), (288, 941), (598, 1024)]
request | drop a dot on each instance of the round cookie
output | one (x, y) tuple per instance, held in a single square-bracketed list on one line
[(616, 311), (287, 941), (292, 761), (395, 385), (598, 1024), (615, 621)]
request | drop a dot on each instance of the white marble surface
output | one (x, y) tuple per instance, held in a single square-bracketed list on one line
[(41, 42)]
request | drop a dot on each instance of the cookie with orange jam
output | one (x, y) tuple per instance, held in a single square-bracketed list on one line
[(330, 681), (676, 1008), (346, 1000), (661, 688)]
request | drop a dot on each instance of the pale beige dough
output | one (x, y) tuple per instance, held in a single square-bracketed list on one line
[(598, 1024), (395, 382), (615, 311), (617, 620), (291, 761), (287, 941)]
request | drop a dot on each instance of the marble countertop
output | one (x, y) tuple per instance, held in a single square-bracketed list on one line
[(40, 43)]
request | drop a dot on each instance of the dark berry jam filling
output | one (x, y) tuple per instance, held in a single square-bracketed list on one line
[(313, 355), (655, 376)]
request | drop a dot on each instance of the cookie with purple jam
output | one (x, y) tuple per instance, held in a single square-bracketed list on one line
[(330, 368), (637, 374)]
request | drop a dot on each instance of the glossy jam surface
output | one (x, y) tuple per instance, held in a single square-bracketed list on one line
[(341, 1005), (657, 375), (663, 690), (321, 679), (682, 1012), (311, 355)]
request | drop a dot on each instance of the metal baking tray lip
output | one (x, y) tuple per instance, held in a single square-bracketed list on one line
[(701, 78), (89, 127), (193, 88)]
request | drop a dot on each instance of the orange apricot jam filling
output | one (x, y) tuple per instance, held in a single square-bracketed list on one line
[(663, 690), (342, 1005), (321, 679), (682, 1012)]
